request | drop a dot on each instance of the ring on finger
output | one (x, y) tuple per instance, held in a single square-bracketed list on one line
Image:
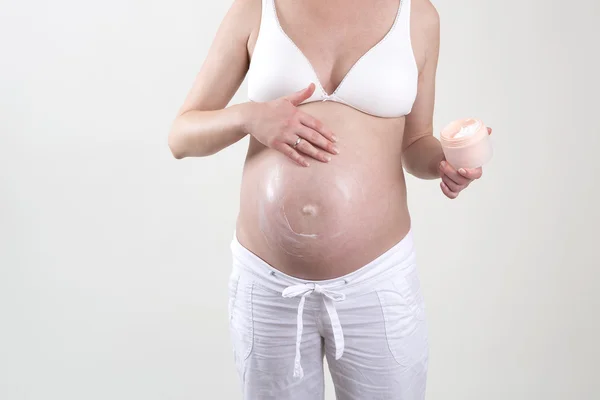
[(297, 142)]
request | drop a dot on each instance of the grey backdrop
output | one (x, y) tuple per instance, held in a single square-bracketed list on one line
[(114, 256)]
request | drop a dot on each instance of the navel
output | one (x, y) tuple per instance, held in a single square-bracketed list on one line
[(309, 210)]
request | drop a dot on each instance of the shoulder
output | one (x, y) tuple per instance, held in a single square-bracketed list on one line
[(426, 17), (244, 15), (247, 8), (425, 32)]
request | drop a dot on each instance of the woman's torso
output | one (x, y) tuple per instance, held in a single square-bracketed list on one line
[(329, 219)]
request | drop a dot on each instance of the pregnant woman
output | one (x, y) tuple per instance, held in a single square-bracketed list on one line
[(341, 103)]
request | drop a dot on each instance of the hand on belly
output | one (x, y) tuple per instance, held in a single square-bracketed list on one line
[(331, 217)]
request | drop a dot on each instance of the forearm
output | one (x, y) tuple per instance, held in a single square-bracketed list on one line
[(422, 158), (198, 133)]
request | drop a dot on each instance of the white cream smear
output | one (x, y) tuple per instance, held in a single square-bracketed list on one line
[(301, 211), (468, 130)]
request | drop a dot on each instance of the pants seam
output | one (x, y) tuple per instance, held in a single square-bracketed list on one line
[(251, 323), (385, 326)]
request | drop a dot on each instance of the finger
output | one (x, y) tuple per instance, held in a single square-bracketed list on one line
[(305, 147), (449, 170), (317, 125), (301, 95), (452, 185), (446, 190), (471, 173), (489, 130), (289, 151), (315, 138)]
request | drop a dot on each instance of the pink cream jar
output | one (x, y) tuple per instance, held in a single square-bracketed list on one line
[(466, 143)]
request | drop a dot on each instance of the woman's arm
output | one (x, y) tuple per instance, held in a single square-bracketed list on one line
[(202, 125), (422, 152)]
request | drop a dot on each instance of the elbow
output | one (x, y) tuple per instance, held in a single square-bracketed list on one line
[(175, 145), (408, 161), (187, 144), (177, 155), (408, 165), (182, 147), (175, 141)]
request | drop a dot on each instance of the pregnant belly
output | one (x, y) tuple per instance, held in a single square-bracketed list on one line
[(315, 211), (329, 218)]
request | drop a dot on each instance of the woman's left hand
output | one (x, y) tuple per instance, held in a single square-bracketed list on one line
[(453, 181)]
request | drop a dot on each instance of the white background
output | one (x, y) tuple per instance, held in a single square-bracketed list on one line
[(114, 256)]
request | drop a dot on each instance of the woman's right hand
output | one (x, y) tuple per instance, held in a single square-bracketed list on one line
[(279, 123)]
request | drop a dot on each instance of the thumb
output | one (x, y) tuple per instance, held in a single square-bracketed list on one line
[(301, 95)]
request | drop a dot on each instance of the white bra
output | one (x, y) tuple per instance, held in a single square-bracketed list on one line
[(383, 82)]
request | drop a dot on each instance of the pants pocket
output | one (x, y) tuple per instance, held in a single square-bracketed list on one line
[(403, 311), (241, 324)]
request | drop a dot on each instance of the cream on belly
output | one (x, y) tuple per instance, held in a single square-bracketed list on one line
[(303, 210)]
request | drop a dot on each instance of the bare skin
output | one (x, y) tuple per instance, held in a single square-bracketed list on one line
[(337, 200)]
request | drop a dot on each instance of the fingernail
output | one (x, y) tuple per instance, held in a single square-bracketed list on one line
[(306, 164), (443, 164), (327, 158), (336, 150), (462, 171), (334, 138)]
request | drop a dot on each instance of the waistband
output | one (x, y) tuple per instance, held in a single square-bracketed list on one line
[(399, 258)]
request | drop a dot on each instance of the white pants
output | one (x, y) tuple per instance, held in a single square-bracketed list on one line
[(370, 324)]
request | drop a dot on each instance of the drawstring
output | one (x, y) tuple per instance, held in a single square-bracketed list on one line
[(329, 299)]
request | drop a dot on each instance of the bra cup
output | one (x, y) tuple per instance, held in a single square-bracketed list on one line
[(277, 68), (382, 83)]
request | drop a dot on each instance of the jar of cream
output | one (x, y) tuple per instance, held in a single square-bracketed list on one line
[(466, 143)]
